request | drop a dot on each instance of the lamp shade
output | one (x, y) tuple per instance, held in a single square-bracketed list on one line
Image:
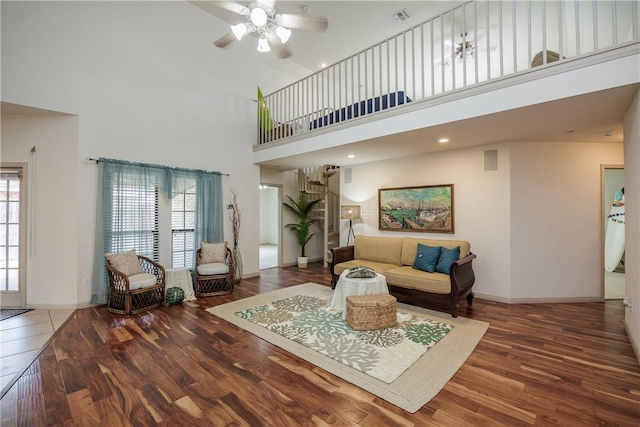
[(263, 44), (239, 30), (350, 212), (283, 33)]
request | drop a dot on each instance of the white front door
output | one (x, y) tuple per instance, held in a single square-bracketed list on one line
[(12, 236)]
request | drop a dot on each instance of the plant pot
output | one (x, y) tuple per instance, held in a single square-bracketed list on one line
[(302, 261)]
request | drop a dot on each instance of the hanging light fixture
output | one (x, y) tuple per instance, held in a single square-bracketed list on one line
[(258, 17), (283, 33), (263, 44), (239, 30), (262, 20)]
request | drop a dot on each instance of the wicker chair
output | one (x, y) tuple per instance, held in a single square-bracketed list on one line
[(219, 283), (127, 301)]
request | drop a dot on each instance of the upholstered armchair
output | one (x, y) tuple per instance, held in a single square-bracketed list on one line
[(136, 283), (214, 270)]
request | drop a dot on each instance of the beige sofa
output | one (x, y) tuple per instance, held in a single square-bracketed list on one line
[(394, 258)]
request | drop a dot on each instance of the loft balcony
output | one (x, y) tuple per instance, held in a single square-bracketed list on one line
[(481, 59)]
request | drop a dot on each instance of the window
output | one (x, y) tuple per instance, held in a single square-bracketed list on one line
[(132, 208), (133, 217), (183, 207)]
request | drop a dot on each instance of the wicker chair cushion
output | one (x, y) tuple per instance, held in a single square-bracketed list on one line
[(213, 268), (214, 252), (125, 262), (141, 280)]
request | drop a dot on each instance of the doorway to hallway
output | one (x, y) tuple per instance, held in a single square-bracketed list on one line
[(269, 226), (613, 231)]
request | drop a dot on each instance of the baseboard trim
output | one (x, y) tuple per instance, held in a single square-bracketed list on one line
[(538, 300), (634, 345), (59, 306), (250, 275)]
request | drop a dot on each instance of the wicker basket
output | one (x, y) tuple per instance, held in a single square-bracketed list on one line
[(369, 312)]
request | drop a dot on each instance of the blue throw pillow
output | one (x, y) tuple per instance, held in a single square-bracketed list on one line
[(426, 258), (447, 257)]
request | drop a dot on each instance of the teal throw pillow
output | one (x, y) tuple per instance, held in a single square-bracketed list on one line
[(447, 257), (426, 258)]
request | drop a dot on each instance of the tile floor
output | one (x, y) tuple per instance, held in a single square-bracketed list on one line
[(22, 336), (614, 287), (268, 256)]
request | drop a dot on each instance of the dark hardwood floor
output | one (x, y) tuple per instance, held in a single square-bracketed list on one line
[(538, 364)]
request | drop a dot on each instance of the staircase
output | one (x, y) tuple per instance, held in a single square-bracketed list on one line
[(322, 183)]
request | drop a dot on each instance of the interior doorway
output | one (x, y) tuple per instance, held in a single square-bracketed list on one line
[(613, 231), (12, 236), (269, 226)]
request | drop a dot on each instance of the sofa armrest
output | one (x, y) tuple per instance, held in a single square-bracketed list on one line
[(338, 255), (462, 276)]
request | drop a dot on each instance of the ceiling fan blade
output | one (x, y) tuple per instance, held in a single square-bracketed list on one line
[(300, 22), (213, 7), (269, 3), (225, 40), (280, 50)]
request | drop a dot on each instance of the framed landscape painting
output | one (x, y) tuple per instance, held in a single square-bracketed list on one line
[(425, 209)]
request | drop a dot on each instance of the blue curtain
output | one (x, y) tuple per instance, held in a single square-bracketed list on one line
[(126, 216)]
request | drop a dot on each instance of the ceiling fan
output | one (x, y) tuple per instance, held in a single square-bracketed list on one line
[(465, 49), (273, 29)]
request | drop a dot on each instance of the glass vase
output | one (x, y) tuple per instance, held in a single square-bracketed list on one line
[(237, 264)]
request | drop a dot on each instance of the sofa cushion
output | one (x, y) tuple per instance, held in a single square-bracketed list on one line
[(408, 277), (384, 250), (447, 257), (410, 247), (378, 267), (427, 258)]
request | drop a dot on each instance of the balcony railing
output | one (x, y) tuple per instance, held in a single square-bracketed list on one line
[(479, 41)]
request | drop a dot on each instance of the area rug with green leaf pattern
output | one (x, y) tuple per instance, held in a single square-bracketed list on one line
[(406, 365)]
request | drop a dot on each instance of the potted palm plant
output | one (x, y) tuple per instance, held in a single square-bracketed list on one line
[(301, 209)]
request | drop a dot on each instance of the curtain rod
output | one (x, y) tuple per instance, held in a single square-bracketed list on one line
[(146, 164)]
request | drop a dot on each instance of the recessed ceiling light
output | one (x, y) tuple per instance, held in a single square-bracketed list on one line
[(351, 156), (443, 140), (323, 65)]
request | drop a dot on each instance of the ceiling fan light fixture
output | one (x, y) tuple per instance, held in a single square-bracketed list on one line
[(258, 17), (263, 44), (283, 33), (239, 30)]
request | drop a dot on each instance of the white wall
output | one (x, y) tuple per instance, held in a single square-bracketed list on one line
[(147, 85), (632, 220), (481, 205), (52, 253), (534, 223), (556, 222)]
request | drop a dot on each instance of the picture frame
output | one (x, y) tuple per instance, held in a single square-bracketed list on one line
[(425, 209)]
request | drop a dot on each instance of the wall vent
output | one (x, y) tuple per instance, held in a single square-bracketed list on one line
[(347, 176), (490, 160), (401, 16)]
